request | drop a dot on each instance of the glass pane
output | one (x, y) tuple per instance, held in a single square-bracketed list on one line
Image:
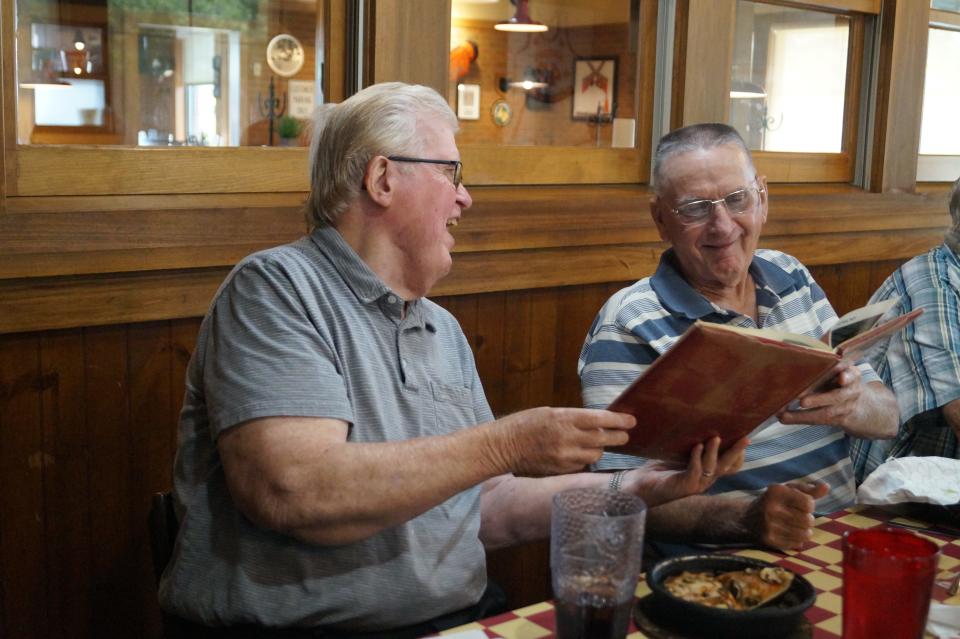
[(946, 5), (940, 128), (782, 97), (166, 72), (79, 103), (573, 84)]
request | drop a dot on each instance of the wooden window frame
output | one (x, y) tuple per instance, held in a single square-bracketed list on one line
[(703, 96)]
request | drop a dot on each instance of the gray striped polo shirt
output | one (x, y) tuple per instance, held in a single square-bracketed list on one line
[(307, 329)]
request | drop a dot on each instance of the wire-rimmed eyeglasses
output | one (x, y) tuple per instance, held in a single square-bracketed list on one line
[(737, 203), (456, 165)]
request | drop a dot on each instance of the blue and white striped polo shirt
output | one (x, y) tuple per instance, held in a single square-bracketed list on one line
[(921, 363), (642, 321)]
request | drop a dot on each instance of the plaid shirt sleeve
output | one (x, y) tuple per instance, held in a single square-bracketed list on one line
[(921, 364)]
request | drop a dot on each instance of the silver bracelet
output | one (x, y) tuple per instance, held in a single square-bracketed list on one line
[(616, 479)]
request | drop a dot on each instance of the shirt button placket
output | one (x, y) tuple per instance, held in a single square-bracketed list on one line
[(402, 356)]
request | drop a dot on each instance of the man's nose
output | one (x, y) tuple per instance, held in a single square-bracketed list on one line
[(463, 197), (720, 215)]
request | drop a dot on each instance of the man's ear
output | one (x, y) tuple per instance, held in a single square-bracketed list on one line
[(764, 200), (379, 180), (657, 210)]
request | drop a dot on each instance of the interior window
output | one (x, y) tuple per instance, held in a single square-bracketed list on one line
[(939, 156), (940, 128), (164, 73), (782, 98), (545, 72)]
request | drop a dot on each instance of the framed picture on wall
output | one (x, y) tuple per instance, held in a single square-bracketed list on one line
[(594, 89)]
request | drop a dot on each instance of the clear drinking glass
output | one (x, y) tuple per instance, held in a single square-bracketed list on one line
[(595, 550)]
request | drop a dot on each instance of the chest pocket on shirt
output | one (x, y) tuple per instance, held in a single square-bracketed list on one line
[(453, 407)]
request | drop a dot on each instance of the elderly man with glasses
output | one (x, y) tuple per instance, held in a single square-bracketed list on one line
[(709, 204), (340, 473)]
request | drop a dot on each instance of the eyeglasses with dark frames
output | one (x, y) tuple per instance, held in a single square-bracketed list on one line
[(456, 165), (737, 203)]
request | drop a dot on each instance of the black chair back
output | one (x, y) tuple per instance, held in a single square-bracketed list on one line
[(163, 525)]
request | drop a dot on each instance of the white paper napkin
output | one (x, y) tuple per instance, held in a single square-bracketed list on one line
[(931, 480), (943, 621)]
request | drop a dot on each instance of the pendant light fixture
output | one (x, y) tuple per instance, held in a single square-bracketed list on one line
[(744, 89), (521, 21)]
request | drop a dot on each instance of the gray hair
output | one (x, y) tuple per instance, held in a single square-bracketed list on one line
[(379, 120), (953, 235), (695, 137)]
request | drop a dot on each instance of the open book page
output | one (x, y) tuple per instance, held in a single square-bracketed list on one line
[(853, 324), (778, 336), (869, 334), (857, 346), (857, 321)]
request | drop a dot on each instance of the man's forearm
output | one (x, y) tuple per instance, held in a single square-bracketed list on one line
[(516, 510), (700, 518), (391, 487), (300, 476)]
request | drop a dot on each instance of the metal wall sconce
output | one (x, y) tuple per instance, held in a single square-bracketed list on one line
[(505, 84), (743, 89), (539, 86)]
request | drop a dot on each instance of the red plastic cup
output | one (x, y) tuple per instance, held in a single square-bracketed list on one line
[(888, 576)]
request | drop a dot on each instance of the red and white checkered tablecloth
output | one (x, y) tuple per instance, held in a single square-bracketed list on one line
[(820, 562)]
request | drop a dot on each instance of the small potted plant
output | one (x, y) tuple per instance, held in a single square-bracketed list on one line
[(289, 129)]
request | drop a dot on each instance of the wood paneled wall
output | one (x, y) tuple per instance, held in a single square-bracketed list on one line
[(88, 424), (82, 261), (87, 419)]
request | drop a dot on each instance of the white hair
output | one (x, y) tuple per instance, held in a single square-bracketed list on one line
[(695, 137), (379, 120)]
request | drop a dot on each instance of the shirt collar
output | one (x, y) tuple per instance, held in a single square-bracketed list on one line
[(767, 274), (682, 299), (362, 281)]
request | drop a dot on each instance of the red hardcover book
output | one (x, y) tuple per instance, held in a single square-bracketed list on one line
[(724, 380)]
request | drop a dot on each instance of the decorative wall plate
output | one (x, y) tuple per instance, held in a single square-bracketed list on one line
[(285, 55), (501, 112)]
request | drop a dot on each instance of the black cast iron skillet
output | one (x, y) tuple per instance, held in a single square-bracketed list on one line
[(777, 618)]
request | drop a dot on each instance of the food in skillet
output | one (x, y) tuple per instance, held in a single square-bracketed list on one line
[(735, 590)]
